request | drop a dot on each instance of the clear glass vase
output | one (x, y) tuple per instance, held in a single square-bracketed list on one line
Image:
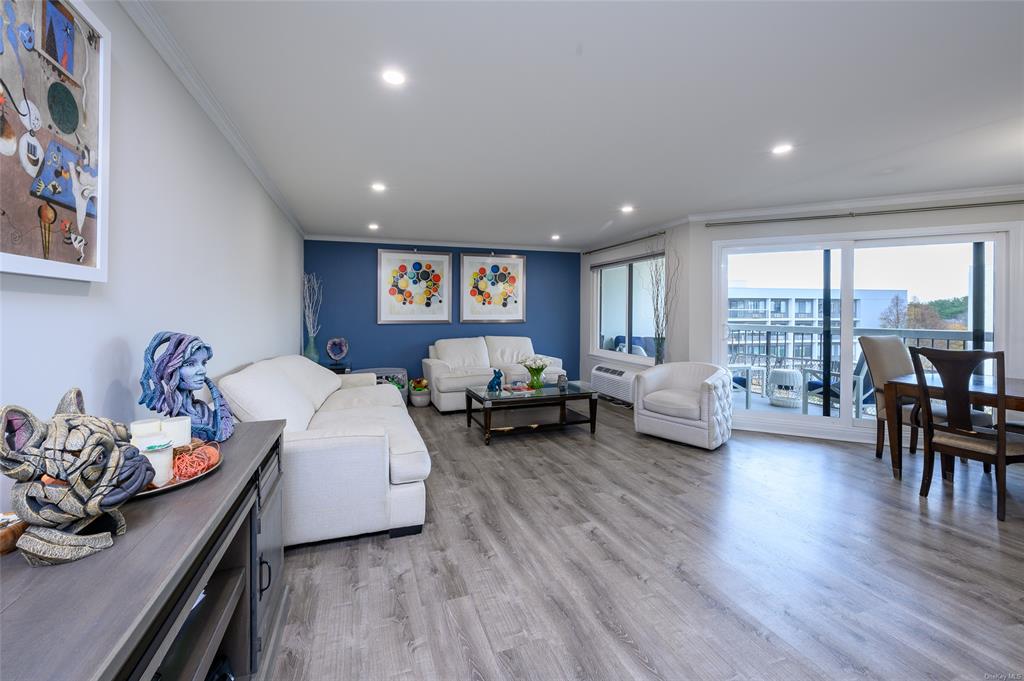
[(536, 377)]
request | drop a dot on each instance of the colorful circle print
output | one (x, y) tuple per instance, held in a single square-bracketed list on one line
[(416, 283), (494, 286)]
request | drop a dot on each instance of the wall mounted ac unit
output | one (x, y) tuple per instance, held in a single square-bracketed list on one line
[(613, 382)]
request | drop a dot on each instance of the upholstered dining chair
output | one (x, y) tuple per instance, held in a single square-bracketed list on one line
[(956, 434), (887, 358)]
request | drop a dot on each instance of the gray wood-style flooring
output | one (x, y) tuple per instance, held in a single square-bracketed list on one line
[(556, 555)]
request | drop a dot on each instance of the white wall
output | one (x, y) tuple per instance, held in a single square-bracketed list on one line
[(196, 245)]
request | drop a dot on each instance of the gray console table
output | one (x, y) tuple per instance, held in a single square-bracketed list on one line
[(131, 612)]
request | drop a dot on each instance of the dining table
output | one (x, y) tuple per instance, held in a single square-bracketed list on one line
[(983, 394)]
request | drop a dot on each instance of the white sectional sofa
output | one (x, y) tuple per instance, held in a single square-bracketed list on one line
[(353, 460), (454, 364)]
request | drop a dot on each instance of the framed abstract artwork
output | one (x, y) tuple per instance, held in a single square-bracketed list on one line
[(493, 288), (54, 140), (413, 287)]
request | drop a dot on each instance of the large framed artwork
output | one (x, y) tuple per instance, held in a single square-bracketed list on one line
[(493, 288), (54, 139), (413, 287)]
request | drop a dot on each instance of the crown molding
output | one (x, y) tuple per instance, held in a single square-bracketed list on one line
[(648, 232), (437, 244), (1002, 191), (156, 31)]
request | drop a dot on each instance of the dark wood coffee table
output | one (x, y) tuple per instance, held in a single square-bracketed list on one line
[(529, 410)]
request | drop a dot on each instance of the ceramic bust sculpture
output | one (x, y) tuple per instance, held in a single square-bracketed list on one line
[(169, 383), (70, 476)]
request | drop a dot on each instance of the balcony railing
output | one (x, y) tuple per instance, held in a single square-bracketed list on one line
[(765, 344), (747, 314), (764, 347)]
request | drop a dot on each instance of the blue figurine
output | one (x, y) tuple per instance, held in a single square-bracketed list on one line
[(495, 385), (169, 383)]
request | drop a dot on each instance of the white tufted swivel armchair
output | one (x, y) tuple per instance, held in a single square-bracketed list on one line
[(689, 402)]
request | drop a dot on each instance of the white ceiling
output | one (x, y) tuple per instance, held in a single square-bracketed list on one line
[(521, 120)]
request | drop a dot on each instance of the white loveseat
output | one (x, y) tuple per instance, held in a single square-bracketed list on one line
[(353, 460), (689, 402), (454, 364)]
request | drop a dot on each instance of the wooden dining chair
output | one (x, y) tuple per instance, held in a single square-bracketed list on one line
[(957, 435)]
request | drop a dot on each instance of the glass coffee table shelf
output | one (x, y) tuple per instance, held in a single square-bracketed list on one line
[(509, 411)]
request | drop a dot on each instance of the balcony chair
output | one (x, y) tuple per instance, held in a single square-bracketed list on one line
[(689, 402), (642, 346), (887, 358), (956, 434), (863, 391)]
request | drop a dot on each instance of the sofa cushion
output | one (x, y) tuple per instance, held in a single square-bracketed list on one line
[(408, 457), (364, 396), (457, 382), (517, 372), (505, 350), (312, 380), (261, 391), (463, 353), (681, 404)]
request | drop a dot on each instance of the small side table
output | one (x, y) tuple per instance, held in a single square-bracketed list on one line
[(339, 368), (785, 388), (385, 374)]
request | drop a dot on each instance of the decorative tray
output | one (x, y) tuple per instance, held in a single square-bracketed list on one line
[(175, 483)]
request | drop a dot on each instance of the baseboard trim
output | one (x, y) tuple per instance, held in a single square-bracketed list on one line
[(866, 434)]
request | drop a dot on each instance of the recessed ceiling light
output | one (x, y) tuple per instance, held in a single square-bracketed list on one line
[(782, 149), (379, 187), (555, 237), (373, 226), (627, 208), (393, 77)]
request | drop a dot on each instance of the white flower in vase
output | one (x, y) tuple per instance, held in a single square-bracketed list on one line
[(536, 366), (535, 362)]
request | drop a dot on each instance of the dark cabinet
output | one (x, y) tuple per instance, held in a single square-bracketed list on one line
[(267, 586)]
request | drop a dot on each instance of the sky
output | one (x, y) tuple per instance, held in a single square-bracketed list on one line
[(926, 272)]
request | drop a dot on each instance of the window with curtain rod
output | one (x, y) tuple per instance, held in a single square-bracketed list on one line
[(626, 308)]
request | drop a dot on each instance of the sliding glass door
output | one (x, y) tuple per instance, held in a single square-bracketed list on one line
[(783, 330), (791, 316), (937, 295)]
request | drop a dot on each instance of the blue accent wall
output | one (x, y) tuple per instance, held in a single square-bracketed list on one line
[(349, 274)]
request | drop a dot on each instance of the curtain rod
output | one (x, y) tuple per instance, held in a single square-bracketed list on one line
[(625, 243), (853, 214)]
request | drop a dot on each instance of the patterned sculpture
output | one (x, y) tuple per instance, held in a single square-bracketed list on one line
[(71, 475), (495, 385), (169, 381)]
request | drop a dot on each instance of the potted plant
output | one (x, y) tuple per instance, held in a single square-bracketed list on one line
[(419, 392), (536, 366)]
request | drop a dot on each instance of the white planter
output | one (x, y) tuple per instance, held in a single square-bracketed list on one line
[(419, 398)]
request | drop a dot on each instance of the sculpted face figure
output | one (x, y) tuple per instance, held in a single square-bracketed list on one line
[(193, 372), (171, 377), (70, 474)]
